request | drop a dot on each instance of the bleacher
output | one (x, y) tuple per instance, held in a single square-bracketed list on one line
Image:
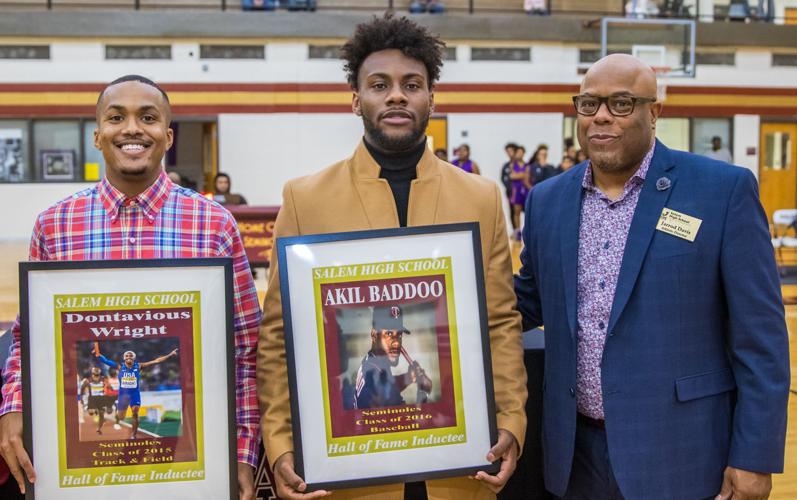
[(486, 6)]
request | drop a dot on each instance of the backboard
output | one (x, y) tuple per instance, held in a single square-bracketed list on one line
[(667, 45)]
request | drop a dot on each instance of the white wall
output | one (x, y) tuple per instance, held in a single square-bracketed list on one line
[(261, 152), (487, 133), (746, 130), (21, 203)]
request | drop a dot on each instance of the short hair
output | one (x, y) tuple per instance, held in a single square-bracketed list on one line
[(389, 32), (133, 78), (716, 138), (511, 145)]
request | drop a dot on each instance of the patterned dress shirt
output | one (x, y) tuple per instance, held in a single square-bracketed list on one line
[(166, 221), (601, 243)]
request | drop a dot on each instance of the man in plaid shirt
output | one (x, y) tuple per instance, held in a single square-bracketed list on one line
[(136, 212)]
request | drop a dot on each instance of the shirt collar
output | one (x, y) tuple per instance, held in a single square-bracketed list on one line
[(638, 177), (150, 200)]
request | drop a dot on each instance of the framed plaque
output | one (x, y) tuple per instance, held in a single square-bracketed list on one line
[(128, 381), (388, 355)]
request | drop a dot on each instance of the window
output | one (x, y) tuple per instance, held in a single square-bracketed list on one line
[(57, 150), (93, 163), (716, 58), (232, 52), (450, 54), (500, 54), (784, 59), (138, 52), (674, 132), (705, 129), (14, 144), (24, 51), (323, 52)]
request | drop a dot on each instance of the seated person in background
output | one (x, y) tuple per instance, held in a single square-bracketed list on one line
[(441, 153), (221, 191)]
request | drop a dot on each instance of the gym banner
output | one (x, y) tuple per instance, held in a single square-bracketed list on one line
[(127, 371), (388, 355)]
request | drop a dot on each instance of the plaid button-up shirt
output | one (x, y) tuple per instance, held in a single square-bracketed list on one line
[(166, 221)]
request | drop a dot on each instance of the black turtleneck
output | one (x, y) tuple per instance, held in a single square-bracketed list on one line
[(399, 170)]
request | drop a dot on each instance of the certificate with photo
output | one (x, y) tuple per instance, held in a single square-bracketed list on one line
[(388, 354), (128, 382)]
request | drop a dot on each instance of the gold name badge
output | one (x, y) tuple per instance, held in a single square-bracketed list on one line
[(678, 224)]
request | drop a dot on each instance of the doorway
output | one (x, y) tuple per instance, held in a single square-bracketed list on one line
[(777, 173)]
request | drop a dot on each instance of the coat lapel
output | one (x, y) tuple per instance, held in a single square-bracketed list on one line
[(424, 192), (643, 226), (374, 193), (570, 218)]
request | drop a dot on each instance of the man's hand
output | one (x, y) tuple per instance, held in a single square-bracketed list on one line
[(507, 449), (419, 376), (246, 482), (289, 485), (744, 485), (13, 451)]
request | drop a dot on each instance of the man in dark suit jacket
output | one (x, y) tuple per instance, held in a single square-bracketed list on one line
[(666, 363)]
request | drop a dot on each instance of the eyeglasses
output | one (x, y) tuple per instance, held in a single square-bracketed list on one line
[(618, 105)]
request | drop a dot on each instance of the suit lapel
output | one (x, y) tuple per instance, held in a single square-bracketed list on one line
[(643, 226), (374, 193), (570, 218), (424, 192)]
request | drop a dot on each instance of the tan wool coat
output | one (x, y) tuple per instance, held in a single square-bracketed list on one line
[(350, 196)]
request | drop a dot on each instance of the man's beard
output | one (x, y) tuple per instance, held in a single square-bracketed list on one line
[(395, 144)]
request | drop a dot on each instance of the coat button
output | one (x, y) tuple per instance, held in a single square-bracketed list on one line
[(572, 392)]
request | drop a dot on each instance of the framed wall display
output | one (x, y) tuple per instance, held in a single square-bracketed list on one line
[(58, 164), (388, 355), (128, 381)]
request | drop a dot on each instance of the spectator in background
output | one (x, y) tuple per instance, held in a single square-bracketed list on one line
[(535, 7), (175, 178), (441, 153), (581, 155), (519, 174), (464, 162), (539, 168), (221, 191), (430, 6), (570, 148), (506, 169), (718, 152), (567, 164)]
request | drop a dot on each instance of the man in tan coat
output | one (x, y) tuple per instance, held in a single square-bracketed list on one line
[(394, 180)]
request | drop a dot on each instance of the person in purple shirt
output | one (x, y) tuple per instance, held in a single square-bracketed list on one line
[(464, 162), (666, 352), (519, 176)]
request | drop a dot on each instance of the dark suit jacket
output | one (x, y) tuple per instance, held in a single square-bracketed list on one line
[(695, 371)]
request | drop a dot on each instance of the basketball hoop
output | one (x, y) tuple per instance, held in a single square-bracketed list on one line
[(662, 73)]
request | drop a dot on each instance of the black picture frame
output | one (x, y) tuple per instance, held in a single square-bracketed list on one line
[(223, 359), (399, 234)]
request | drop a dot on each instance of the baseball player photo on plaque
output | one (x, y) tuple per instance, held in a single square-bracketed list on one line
[(388, 355), (128, 381)]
